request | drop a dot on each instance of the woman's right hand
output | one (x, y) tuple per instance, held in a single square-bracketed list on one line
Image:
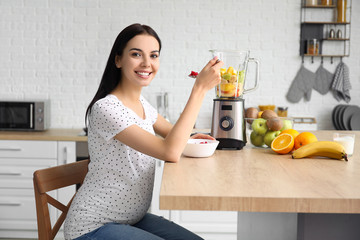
[(209, 76)]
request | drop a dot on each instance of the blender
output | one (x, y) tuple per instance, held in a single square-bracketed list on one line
[(228, 120)]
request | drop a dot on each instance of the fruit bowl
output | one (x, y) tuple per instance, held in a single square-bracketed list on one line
[(200, 147), (260, 132)]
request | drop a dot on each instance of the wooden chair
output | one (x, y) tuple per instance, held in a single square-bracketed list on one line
[(53, 178)]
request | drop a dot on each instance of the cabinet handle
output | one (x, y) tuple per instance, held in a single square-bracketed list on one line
[(10, 173), (65, 155), (10, 149), (10, 204)]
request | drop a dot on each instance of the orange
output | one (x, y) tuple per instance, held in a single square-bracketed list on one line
[(283, 143), (292, 132), (304, 138), (259, 114)]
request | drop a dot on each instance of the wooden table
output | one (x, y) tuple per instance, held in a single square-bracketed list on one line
[(259, 180)]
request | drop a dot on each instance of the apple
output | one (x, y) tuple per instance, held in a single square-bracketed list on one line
[(259, 126), (287, 124), (256, 140), (270, 136)]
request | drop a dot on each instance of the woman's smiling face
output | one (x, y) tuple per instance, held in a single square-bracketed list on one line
[(139, 62)]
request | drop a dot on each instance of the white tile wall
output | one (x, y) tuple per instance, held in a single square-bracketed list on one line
[(57, 49)]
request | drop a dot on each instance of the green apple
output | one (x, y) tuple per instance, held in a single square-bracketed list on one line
[(259, 126), (287, 125), (270, 136), (256, 140)]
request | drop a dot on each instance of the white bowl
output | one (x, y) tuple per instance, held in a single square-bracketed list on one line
[(200, 147)]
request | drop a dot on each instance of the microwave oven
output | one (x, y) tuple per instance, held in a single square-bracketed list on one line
[(24, 115)]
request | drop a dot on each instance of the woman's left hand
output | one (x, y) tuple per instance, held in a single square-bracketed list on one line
[(202, 136)]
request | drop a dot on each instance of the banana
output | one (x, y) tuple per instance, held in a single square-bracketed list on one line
[(328, 149)]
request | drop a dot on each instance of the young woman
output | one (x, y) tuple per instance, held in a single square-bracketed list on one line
[(116, 194)]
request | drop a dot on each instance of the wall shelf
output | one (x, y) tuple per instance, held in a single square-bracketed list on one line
[(316, 24), (336, 39), (329, 23), (324, 55), (319, 6)]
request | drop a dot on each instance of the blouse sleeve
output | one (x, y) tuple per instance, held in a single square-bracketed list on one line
[(109, 118)]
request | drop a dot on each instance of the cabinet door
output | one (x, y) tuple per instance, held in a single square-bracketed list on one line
[(18, 213), (27, 149), (18, 161), (208, 224), (66, 154), (154, 208), (17, 173)]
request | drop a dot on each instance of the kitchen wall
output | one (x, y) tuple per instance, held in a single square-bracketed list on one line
[(57, 50)]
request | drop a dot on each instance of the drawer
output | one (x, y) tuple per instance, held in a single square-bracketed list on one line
[(18, 173), (14, 210), (28, 149), (19, 208)]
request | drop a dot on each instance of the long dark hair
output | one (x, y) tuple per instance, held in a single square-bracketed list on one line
[(112, 75)]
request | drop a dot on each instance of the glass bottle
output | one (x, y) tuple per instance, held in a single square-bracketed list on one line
[(282, 111), (341, 11), (311, 2), (326, 2), (313, 47)]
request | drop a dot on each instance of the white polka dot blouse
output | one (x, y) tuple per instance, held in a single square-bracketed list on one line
[(119, 184)]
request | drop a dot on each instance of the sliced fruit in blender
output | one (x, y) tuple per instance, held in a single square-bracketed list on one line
[(241, 76), (232, 82), (226, 76), (231, 70), (222, 71), (227, 87)]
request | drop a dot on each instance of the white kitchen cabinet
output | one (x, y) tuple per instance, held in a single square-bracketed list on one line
[(210, 225), (66, 154), (155, 203), (18, 161)]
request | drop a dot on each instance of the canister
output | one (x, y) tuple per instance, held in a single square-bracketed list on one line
[(313, 47), (341, 11)]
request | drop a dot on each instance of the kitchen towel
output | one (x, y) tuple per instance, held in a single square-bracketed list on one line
[(323, 80), (341, 84), (301, 85)]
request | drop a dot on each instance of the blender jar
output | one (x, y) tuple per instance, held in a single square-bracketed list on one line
[(233, 73)]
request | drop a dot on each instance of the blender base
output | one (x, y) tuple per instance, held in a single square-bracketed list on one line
[(228, 143)]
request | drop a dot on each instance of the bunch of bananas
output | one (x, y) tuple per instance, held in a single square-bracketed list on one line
[(328, 149)]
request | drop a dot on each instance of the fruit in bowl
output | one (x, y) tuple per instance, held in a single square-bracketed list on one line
[(200, 147), (261, 132)]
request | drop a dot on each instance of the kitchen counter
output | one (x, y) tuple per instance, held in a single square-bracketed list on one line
[(259, 180), (61, 134)]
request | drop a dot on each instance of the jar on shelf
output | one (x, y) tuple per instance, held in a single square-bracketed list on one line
[(313, 47), (282, 111), (326, 2), (341, 11), (311, 2)]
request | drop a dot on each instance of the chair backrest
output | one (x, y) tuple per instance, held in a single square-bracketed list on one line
[(53, 178)]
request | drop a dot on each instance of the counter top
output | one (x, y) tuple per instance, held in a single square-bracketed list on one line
[(259, 180), (61, 134)]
